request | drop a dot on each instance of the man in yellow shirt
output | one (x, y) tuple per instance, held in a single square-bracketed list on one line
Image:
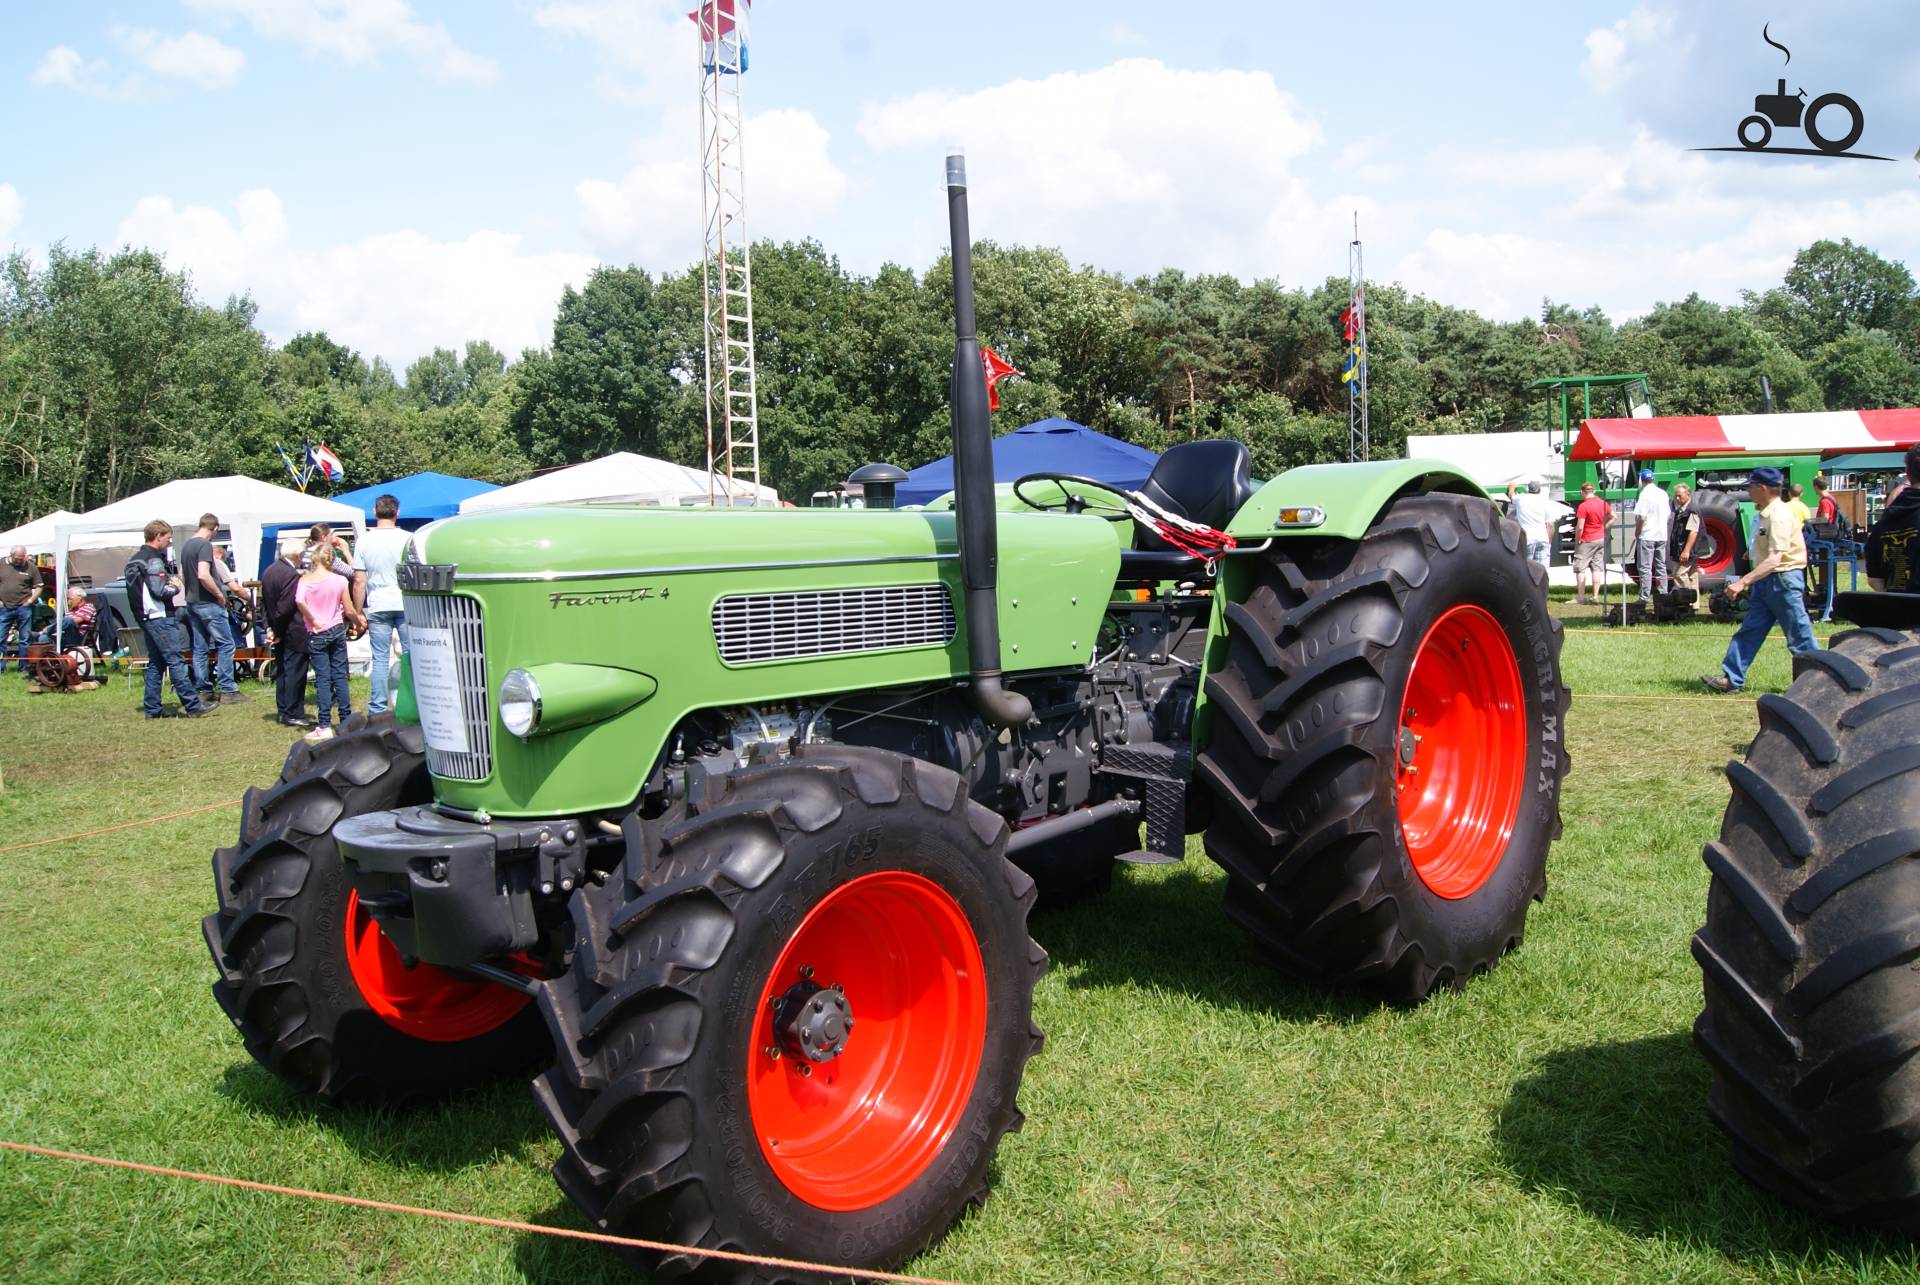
[(1777, 584), (1801, 513)]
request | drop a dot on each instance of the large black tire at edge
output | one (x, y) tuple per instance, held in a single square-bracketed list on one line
[(657, 1018), (278, 937), (1300, 759), (1812, 1002)]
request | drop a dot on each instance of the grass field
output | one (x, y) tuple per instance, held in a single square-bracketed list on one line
[(1193, 1117)]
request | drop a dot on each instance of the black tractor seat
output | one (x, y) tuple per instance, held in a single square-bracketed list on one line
[(1202, 481)]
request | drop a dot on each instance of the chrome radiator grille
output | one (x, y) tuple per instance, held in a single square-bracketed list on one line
[(830, 622), (460, 617)]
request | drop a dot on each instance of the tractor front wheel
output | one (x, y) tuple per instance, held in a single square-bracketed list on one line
[(1386, 747), (1808, 955), (796, 1019), (320, 996)]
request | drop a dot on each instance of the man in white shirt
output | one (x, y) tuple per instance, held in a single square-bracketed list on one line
[(1652, 520), (380, 552), (1536, 514)]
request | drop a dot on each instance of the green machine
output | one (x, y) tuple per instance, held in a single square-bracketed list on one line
[(727, 823), (1718, 483)]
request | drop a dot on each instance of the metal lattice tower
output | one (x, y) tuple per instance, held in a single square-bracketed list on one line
[(1359, 443), (733, 420)]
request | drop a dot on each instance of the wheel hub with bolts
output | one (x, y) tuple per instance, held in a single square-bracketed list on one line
[(811, 1021)]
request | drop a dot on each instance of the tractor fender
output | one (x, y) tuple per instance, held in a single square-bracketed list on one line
[(1350, 496)]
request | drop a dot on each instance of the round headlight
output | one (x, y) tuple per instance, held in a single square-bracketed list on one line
[(519, 703)]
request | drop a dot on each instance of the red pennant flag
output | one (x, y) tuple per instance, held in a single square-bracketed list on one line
[(996, 369), (1348, 323)]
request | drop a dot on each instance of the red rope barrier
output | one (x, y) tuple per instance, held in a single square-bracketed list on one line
[(505, 1224)]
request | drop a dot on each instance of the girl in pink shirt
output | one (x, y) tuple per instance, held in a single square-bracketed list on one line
[(321, 597)]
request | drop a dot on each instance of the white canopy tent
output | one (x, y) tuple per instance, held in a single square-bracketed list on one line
[(620, 478), (244, 506), (36, 535)]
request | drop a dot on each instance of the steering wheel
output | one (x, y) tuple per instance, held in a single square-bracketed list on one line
[(1099, 506)]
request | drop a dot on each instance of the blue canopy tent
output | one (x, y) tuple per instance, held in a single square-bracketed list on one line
[(424, 497), (1045, 446)]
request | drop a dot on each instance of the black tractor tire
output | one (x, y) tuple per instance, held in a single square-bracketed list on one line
[(1720, 515), (659, 1027), (1301, 758), (1808, 957), (1856, 123), (279, 937), (1079, 866)]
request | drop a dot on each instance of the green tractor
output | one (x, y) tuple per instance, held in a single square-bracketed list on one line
[(1718, 483), (732, 820)]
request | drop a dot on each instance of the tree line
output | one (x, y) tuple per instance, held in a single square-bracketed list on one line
[(115, 376)]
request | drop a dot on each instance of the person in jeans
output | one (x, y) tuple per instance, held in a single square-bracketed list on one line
[(206, 602), (321, 597), (1652, 519), (1778, 584), (380, 552), (151, 591), (1536, 515), (287, 635), (18, 580)]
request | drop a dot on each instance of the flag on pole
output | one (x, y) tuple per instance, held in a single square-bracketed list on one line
[(326, 463), (728, 22), (996, 369), (1353, 326)]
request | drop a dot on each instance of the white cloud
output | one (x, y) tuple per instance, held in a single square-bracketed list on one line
[(1624, 225), (393, 294), (357, 32), (65, 68), (10, 204), (1122, 34), (1613, 53), (652, 213), (191, 56), (650, 43), (1130, 166)]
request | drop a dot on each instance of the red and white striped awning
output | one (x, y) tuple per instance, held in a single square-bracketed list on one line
[(1805, 433)]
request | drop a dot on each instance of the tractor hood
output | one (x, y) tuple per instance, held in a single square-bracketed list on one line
[(566, 543), (646, 615)]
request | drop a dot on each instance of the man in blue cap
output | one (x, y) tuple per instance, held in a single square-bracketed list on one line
[(1652, 519), (1777, 585)]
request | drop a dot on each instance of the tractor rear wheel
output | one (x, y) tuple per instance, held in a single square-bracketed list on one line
[(320, 996), (1811, 939), (796, 1018), (1720, 550), (1386, 748)]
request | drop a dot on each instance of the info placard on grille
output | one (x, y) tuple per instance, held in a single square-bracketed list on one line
[(436, 689)]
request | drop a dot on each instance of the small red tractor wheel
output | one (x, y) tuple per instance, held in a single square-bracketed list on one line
[(795, 1024), (320, 996), (1717, 551)]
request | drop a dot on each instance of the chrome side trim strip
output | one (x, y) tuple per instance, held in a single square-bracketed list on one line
[(549, 577)]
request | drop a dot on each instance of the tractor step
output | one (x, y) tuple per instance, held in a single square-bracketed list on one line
[(1159, 772), (1148, 857)]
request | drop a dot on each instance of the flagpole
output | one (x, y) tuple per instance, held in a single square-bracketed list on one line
[(1359, 434)]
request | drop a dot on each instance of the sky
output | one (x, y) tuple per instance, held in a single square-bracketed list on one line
[(410, 174)]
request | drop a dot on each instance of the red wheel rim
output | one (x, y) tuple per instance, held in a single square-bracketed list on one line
[(853, 1132), (1462, 761), (425, 1002), (1717, 556)]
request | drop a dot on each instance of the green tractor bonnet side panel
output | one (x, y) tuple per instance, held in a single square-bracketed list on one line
[(1351, 496), (636, 590)]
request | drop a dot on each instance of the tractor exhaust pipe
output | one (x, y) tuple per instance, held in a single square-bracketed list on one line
[(973, 501)]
